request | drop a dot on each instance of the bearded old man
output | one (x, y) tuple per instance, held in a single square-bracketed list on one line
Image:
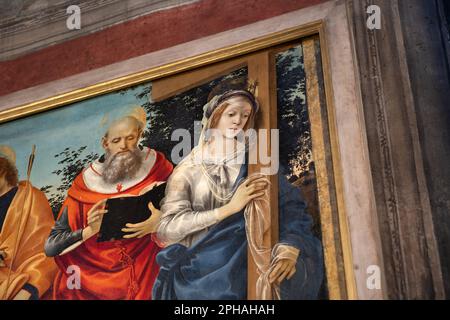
[(25, 221), (117, 269)]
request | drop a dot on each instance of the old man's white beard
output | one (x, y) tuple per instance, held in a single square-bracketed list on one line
[(121, 166)]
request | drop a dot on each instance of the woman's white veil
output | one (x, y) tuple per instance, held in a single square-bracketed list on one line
[(214, 169)]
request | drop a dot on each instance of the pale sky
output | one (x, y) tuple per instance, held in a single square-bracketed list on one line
[(74, 125)]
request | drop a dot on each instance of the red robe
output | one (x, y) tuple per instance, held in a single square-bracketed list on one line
[(120, 269)]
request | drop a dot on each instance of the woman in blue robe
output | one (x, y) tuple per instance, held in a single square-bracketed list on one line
[(203, 223)]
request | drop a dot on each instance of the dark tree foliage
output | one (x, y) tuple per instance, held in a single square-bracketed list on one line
[(176, 112), (293, 120), (71, 163)]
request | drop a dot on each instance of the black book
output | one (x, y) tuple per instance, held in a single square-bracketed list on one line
[(125, 210)]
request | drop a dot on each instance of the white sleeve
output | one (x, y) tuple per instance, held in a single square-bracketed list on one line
[(178, 219)]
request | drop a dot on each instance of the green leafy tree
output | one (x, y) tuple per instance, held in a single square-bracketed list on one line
[(293, 119)]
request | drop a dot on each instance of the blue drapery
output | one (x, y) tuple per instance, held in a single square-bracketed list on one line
[(215, 267)]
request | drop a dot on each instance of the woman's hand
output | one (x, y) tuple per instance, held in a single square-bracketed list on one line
[(146, 227), (284, 269), (94, 219), (251, 189)]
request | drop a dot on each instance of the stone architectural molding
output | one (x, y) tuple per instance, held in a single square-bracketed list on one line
[(28, 26)]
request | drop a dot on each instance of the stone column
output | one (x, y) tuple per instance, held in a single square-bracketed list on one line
[(403, 81)]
